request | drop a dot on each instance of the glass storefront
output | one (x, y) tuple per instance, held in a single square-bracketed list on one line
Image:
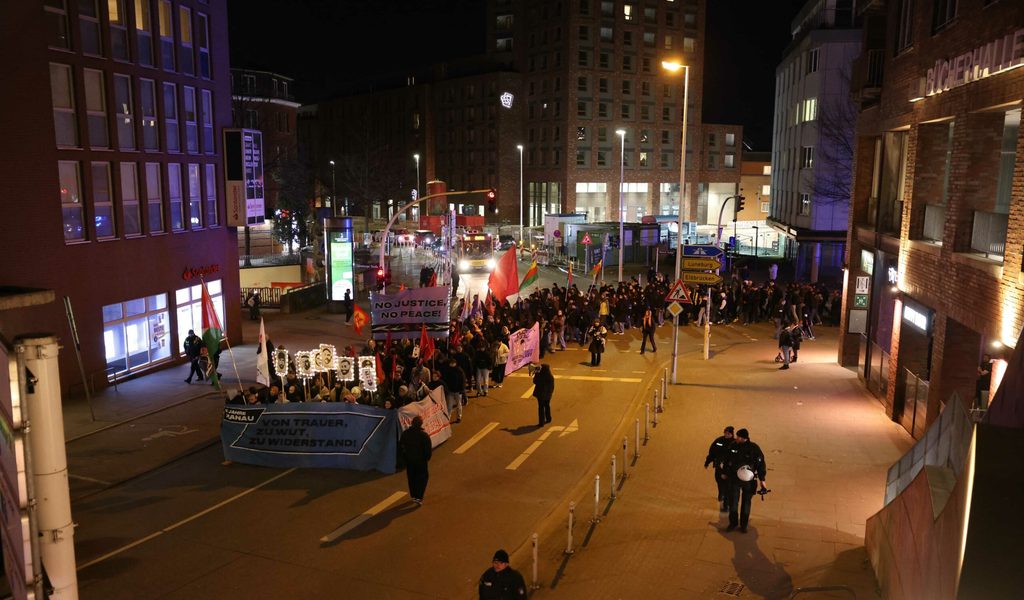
[(136, 333), (189, 311)]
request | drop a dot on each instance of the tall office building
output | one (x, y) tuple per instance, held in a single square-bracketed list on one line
[(114, 188), (812, 148)]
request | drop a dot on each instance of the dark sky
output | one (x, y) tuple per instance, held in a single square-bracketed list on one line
[(326, 43)]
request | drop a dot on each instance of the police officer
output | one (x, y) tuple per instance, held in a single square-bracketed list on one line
[(744, 470), (501, 582), (717, 455)]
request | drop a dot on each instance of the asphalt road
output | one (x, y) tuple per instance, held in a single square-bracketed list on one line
[(199, 528)]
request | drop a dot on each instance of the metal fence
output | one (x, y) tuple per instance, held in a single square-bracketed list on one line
[(270, 297), (269, 260), (989, 232)]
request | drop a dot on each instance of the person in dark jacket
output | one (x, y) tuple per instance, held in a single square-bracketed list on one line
[(416, 449), (717, 454), (501, 582), (744, 470), (647, 327), (543, 389), (785, 347), (193, 346)]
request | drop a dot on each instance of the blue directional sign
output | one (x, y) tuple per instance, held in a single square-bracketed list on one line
[(703, 251)]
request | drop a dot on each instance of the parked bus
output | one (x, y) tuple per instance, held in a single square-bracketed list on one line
[(475, 252)]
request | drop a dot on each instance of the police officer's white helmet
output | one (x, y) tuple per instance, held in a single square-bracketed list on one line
[(745, 473)]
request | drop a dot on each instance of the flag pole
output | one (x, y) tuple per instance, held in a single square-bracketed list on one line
[(231, 353)]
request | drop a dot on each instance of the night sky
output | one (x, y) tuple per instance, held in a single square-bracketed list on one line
[(327, 45)]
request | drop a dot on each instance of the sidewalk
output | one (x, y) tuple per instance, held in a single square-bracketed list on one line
[(827, 445)]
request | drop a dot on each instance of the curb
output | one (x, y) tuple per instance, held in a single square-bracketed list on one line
[(141, 416)]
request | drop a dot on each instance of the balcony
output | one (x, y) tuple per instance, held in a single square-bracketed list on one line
[(866, 78)]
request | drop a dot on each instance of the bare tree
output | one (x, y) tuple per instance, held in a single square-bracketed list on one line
[(368, 170), (832, 176), (294, 219)]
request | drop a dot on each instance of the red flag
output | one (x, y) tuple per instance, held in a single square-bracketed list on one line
[(433, 279), (489, 304), (426, 344), (359, 319), (456, 336), (401, 287), (380, 368), (504, 279)]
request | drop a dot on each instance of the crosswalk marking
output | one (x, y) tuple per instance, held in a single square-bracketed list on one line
[(476, 438)]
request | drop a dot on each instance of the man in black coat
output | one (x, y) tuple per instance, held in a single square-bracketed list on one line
[(416, 449), (717, 455), (744, 470), (543, 389), (501, 582), (193, 348)]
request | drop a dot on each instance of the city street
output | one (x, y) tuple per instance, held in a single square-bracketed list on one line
[(184, 524)]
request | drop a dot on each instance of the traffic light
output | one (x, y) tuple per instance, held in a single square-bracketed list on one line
[(492, 201), (739, 207), (380, 278)]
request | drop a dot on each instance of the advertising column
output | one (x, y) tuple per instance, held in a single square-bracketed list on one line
[(338, 255)]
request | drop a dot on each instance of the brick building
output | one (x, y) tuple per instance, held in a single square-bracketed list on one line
[(811, 150), (558, 79), (113, 179), (937, 213)]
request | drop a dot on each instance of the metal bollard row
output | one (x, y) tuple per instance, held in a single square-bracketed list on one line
[(572, 520)]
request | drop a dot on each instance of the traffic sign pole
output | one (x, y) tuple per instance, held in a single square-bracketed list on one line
[(675, 347)]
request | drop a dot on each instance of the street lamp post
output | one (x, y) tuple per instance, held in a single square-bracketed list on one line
[(622, 178), (334, 191), (684, 208), (519, 147), (416, 157)]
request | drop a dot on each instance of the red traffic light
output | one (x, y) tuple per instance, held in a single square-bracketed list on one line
[(492, 201)]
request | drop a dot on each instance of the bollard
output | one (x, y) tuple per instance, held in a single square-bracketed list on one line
[(625, 458), (664, 390), (637, 443), (657, 409), (612, 495), (572, 514), (597, 498), (536, 584), (647, 422)]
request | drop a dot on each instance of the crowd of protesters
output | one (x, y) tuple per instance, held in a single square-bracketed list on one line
[(471, 361)]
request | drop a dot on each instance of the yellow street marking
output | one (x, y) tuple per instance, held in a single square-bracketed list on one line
[(589, 378), (528, 392), (375, 510), (572, 428), (476, 438), (512, 466)]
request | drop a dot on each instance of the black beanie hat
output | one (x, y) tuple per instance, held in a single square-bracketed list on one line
[(501, 556), (742, 433)]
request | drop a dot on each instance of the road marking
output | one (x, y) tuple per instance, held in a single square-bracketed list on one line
[(528, 392), (476, 438), (638, 371), (572, 428), (184, 521), (168, 433), (89, 479), (515, 464), (589, 378), (375, 510)]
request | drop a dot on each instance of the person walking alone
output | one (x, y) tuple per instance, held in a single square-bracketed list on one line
[(647, 328), (349, 308), (416, 448), (193, 349), (785, 346), (718, 453), (543, 389), (744, 470), (501, 582)]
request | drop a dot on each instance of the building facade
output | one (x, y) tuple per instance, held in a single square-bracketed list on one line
[(544, 104), (264, 101), (811, 142), (937, 215), (112, 168)]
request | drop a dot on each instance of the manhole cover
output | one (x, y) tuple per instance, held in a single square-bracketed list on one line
[(732, 588)]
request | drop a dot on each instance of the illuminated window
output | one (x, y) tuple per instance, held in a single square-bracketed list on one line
[(174, 196), (144, 32), (102, 201), (166, 35), (72, 211), (187, 57), (118, 30), (766, 190), (628, 11), (195, 198), (212, 217), (136, 333)]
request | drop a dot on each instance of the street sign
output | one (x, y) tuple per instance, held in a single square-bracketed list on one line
[(701, 264), (862, 284), (674, 309), (701, 277), (586, 240), (678, 293), (702, 251), (860, 301)]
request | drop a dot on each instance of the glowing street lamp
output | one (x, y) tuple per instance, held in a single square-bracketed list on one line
[(622, 178), (674, 66)]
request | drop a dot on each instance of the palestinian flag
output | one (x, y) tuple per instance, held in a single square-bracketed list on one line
[(212, 334), (531, 276)]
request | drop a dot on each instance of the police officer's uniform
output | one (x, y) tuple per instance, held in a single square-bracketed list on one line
[(718, 452), (743, 454)]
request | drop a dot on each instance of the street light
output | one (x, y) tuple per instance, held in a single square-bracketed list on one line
[(334, 193), (519, 147), (622, 177), (673, 66), (416, 157)]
